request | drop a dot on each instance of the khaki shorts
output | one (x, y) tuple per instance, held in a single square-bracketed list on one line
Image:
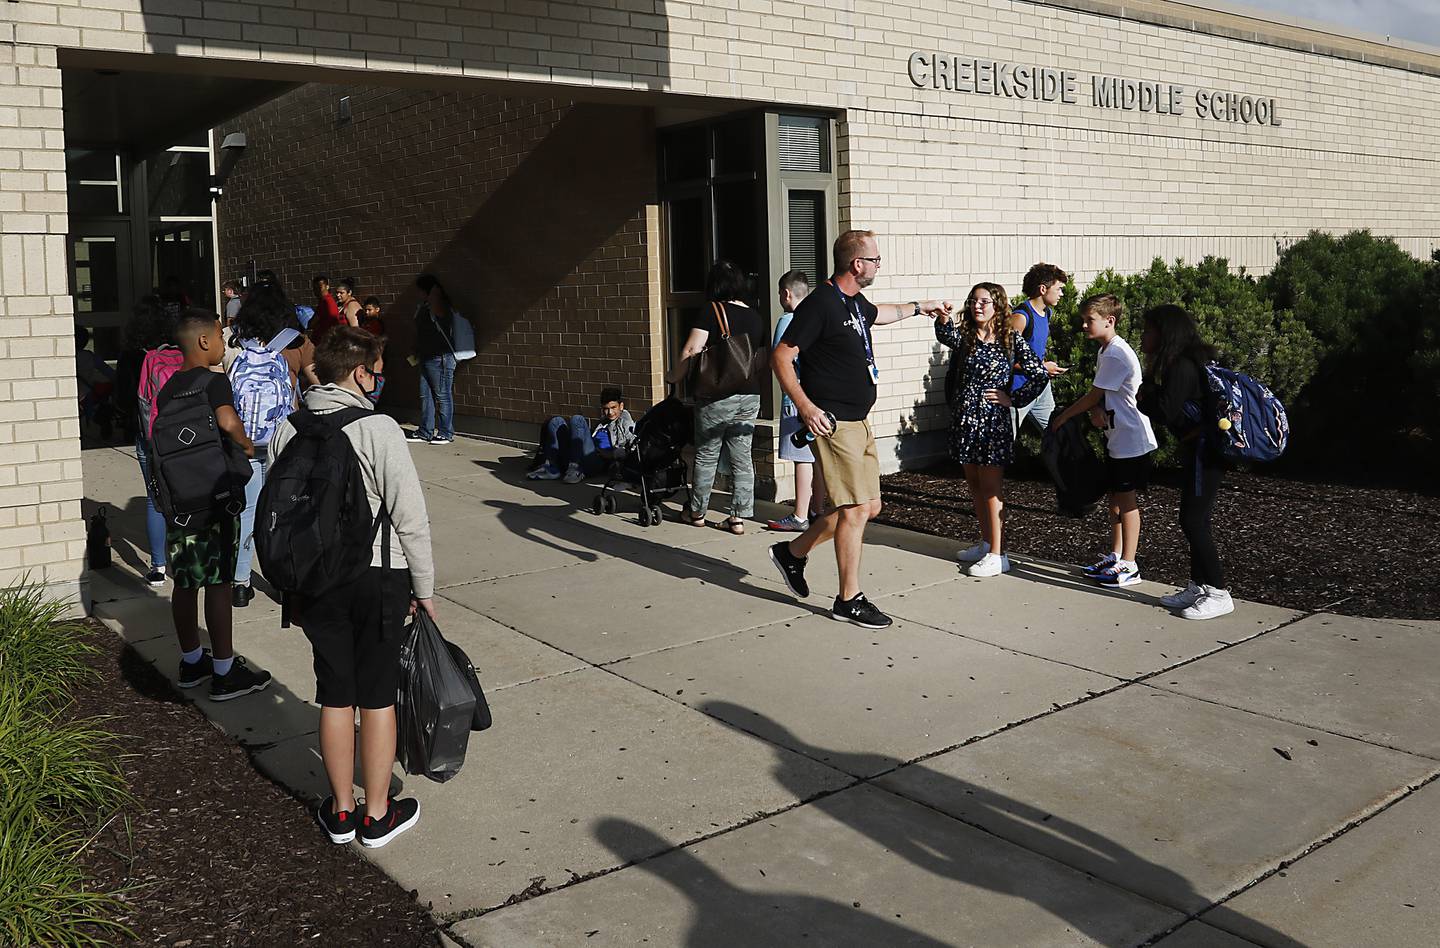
[(850, 463)]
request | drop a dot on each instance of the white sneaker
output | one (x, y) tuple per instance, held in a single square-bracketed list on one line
[(439, 440), (974, 554), (573, 474), (1212, 604), (1183, 599), (991, 564)]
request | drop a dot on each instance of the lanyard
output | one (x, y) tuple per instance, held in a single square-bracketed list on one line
[(861, 328)]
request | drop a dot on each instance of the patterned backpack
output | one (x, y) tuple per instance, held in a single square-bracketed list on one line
[(264, 394), (1250, 422)]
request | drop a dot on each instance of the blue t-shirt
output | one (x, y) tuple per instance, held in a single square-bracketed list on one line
[(787, 407), (1037, 327)]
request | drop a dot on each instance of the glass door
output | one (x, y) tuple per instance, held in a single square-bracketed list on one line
[(101, 280)]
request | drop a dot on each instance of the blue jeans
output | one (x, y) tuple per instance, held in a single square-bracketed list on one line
[(569, 442), (1039, 410), (246, 552), (154, 519), (437, 382), (729, 422)]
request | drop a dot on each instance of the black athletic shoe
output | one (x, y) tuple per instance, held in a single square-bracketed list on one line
[(339, 826), (240, 596), (240, 681), (860, 611), (156, 577), (194, 673), (792, 569), (399, 817)]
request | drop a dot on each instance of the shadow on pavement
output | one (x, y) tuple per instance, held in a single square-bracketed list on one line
[(1068, 843), (678, 562), (727, 915)]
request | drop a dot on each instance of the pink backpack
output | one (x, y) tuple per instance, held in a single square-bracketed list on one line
[(155, 371)]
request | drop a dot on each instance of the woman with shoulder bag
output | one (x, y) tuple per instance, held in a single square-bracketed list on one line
[(725, 357)]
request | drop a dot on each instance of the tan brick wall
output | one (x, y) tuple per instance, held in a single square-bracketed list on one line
[(534, 213), (41, 531), (963, 186)]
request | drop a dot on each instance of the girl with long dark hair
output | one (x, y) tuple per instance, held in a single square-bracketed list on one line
[(1175, 394), (988, 355)]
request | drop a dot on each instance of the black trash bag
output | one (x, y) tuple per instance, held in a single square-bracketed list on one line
[(482, 719), (436, 704), (1078, 472)]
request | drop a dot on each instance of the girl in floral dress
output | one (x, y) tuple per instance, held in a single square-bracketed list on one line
[(982, 439)]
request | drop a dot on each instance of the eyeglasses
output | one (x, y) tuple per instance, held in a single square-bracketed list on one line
[(874, 260), (985, 302)]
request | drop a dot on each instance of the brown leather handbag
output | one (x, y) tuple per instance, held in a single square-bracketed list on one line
[(727, 364)]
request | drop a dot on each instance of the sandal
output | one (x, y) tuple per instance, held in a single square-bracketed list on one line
[(734, 525), (694, 520)]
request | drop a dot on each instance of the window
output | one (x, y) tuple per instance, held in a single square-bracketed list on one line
[(805, 233), (804, 144), (95, 183)]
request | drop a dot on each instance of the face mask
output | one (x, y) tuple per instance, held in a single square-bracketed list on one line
[(374, 394)]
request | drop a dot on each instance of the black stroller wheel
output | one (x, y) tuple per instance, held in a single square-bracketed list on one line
[(609, 504), (644, 517), (597, 506), (657, 516)]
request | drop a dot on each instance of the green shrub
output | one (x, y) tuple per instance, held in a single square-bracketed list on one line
[(56, 778), (1372, 308)]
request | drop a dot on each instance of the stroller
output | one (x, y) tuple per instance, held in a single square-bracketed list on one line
[(653, 461)]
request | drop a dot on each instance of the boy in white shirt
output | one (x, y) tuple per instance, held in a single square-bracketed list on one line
[(1129, 439)]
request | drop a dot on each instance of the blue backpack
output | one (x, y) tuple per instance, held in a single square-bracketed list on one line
[(264, 395), (1250, 422)]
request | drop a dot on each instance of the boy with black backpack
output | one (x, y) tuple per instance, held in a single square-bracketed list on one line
[(198, 472), (342, 529)]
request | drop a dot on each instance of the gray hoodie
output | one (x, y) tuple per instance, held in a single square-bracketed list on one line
[(390, 479)]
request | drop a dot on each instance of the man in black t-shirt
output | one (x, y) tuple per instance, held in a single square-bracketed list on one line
[(832, 327)]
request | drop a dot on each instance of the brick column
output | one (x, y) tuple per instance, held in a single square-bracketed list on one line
[(42, 532)]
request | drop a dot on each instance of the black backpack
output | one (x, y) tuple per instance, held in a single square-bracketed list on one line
[(313, 527), (196, 473)]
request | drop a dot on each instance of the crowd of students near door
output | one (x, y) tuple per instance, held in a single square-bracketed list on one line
[(266, 375)]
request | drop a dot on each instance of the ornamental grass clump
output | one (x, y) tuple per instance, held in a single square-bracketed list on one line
[(57, 779)]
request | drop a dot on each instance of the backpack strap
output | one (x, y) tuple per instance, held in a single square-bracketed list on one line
[(282, 340)]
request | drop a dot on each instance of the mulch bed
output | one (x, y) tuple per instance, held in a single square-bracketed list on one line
[(1364, 551), (211, 852)]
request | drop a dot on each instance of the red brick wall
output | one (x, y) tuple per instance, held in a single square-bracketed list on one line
[(531, 212)]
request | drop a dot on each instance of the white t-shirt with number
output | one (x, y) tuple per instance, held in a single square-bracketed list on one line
[(1128, 433)]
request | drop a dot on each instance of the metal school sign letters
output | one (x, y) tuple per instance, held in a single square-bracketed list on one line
[(1011, 81)]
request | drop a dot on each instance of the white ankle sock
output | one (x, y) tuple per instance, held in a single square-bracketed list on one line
[(222, 665), (193, 656)]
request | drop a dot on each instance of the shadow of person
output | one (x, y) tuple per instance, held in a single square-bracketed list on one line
[(953, 856), (726, 915), (564, 524)]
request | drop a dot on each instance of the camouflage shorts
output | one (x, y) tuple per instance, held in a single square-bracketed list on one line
[(202, 556)]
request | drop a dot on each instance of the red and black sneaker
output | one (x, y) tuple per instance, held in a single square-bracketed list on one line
[(399, 817), (339, 825)]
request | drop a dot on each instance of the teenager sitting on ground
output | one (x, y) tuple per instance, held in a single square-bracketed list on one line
[(581, 449)]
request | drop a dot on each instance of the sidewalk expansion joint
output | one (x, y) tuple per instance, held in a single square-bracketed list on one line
[(1404, 793), (1318, 728)]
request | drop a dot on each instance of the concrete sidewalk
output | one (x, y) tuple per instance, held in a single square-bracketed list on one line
[(685, 755)]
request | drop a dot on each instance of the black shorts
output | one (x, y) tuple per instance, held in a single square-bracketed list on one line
[(1123, 475), (356, 632)]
